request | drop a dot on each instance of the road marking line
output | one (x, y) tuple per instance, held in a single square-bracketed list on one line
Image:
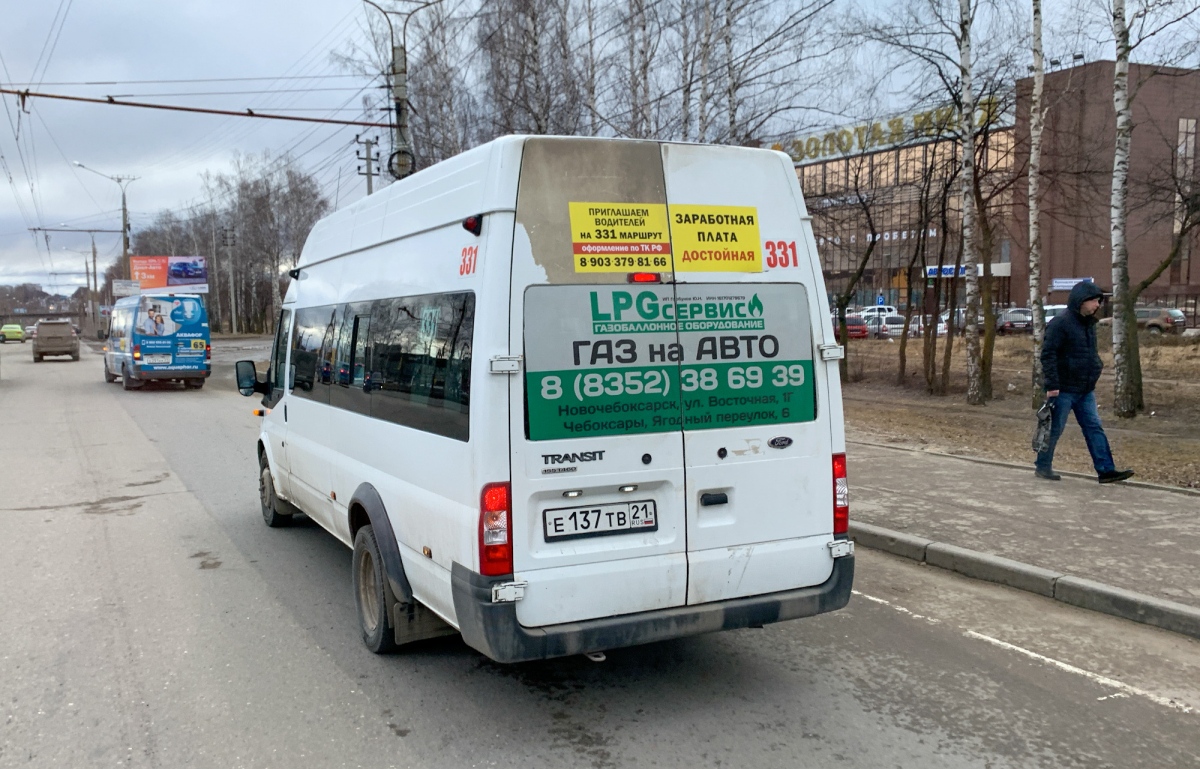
[(898, 608), (1096, 677)]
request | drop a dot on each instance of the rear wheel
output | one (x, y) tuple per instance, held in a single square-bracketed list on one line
[(194, 384), (1155, 331), (372, 594), (128, 382), (37, 358), (266, 496), (109, 376)]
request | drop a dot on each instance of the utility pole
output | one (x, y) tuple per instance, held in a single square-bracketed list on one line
[(402, 162), (123, 181), (229, 240), (370, 157), (95, 280), (95, 288)]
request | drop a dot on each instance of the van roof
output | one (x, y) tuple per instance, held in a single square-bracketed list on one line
[(482, 180)]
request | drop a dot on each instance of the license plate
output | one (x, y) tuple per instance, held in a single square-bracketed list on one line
[(158, 360), (598, 520)]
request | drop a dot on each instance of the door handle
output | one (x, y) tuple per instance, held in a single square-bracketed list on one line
[(717, 498)]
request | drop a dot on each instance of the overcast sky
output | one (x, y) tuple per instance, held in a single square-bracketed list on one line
[(64, 43)]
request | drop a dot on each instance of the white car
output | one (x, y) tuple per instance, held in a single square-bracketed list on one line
[(553, 405)]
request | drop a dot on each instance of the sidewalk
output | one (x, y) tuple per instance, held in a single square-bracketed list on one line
[(1145, 540)]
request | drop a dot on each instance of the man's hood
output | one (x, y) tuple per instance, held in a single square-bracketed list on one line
[(1083, 291)]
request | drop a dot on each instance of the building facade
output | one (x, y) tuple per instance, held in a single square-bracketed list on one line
[(886, 199)]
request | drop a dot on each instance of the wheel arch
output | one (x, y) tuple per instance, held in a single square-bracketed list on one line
[(366, 507)]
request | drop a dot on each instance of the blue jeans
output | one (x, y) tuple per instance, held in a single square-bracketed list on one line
[(1084, 406)]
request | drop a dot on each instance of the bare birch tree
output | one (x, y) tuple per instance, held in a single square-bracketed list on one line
[(1149, 20), (970, 248), (1037, 124)]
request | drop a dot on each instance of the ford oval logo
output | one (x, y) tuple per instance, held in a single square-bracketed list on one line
[(782, 442)]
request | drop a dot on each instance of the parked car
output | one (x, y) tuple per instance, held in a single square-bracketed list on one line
[(1053, 310), (55, 337), (892, 326), (12, 332), (878, 309), (856, 328), (1161, 320), (1015, 321)]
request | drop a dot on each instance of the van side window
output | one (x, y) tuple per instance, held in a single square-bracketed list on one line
[(350, 353), (279, 354), (327, 372), (308, 333), (421, 367)]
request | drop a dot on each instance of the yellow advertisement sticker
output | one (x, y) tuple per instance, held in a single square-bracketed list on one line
[(716, 239), (620, 237)]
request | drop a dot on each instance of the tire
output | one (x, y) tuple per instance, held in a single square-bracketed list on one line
[(193, 384), (109, 377), (128, 382), (37, 358), (372, 594), (74, 356), (1154, 330), (267, 499)]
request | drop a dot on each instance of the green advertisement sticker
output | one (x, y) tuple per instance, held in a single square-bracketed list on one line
[(715, 356)]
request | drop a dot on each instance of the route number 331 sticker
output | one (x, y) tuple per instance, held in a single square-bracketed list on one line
[(611, 360)]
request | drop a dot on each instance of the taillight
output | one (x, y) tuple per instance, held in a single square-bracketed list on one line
[(207, 352), (495, 524), (643, 277), (137, 352), (841, 496)]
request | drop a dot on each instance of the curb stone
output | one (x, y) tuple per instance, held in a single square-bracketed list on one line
[(1029, 467), (1068, 589)]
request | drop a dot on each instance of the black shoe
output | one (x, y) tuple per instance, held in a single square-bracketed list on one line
[(1049, 475), (1115, 476)]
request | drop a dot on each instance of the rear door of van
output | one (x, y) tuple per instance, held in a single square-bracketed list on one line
[(665, 447), (756, 403)]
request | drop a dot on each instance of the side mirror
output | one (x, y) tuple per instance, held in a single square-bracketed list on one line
[(248, 382)]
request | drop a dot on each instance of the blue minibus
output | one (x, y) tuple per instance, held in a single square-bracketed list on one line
[(160, 337)]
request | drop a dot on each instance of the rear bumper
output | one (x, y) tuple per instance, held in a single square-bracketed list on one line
[(493, 629), (150, 374)]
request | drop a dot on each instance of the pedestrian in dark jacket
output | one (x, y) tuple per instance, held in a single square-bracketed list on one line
[(1071, 366)]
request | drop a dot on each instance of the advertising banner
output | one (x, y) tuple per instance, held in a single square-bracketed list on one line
[(186, 274), (716, 239), (616, 361), (620, 237), (124, 287)]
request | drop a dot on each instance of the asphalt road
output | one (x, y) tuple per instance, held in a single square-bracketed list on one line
[(149, 619)]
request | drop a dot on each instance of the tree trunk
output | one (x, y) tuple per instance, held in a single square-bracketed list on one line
[(1037, 123), (975, 393), (1127, 399)]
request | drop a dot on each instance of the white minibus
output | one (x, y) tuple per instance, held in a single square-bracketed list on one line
[(564, 395)]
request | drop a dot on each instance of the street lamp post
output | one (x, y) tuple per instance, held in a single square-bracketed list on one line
[(123, 181)]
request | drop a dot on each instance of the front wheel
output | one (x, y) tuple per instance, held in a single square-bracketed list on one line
[(372, 594), (266, 497)]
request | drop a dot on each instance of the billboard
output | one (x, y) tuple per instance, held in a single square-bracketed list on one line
[(180, 273), (124, 287)]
